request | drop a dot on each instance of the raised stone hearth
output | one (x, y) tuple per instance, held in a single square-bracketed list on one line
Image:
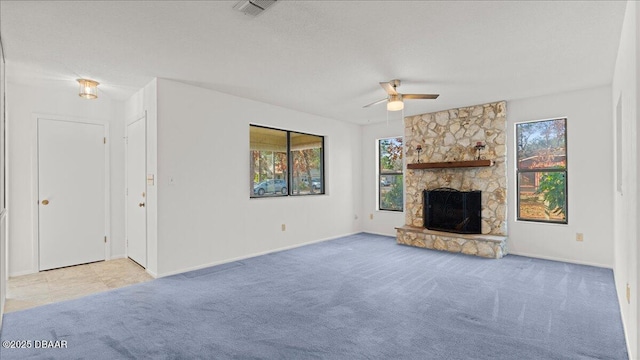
[(488, 246)]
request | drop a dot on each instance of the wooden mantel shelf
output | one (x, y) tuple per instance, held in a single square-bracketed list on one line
[(450, 164)]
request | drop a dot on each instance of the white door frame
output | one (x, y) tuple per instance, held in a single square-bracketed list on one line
[(141, 116), (35, 182)]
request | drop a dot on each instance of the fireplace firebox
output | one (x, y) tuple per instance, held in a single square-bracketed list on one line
[(454, 211)]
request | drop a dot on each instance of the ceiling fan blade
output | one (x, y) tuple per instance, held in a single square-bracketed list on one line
[(420, 96), (389, 88), (376, 102)]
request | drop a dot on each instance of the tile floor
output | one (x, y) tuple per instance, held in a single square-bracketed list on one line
[(46, 287)]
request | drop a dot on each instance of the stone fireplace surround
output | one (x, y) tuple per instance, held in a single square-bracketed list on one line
[(451, 135)]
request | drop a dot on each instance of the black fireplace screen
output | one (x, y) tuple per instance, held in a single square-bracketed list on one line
[(452, 210)]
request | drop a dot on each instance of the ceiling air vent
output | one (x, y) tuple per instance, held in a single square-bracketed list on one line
[(253, 7)]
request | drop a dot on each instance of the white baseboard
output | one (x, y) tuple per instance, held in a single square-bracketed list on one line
[(225, 261), (379, 233), (20, 273), (571, 261)]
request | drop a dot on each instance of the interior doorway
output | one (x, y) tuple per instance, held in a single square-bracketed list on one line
[(136, 193)]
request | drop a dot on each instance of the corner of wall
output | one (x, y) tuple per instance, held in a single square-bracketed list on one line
[(372, 220), (626, 86), (4, 268)]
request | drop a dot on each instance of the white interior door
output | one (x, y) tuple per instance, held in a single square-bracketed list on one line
[(71, 193), (136, 192)]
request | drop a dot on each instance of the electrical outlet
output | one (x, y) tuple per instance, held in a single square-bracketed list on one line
[(628, 294), (284, 227), (579, 237), (370, 216)]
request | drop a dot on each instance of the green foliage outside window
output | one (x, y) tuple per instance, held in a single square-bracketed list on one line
[(553, 190), (542, 170), (391, 185)]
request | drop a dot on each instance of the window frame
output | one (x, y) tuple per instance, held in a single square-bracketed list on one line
[(565, 171), (289, 161), (381, 173)]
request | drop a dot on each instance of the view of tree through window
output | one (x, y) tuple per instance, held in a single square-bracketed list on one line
[(306, 155), (542, 170), (390, 176), (269, 163)]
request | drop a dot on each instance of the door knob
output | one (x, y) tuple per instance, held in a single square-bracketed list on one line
[(45, 202), (141, 204)]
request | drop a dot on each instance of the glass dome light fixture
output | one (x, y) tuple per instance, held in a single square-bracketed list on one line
[(395, 103), (88, 88)]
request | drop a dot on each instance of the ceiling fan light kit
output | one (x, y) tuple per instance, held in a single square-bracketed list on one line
[(395, 103), (395, 100)]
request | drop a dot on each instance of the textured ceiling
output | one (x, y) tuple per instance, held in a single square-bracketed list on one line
[(319, 57)]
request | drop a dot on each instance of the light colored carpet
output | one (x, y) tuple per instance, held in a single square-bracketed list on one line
[(358, 297)]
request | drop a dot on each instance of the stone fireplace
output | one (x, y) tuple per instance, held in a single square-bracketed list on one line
[(448, 160)]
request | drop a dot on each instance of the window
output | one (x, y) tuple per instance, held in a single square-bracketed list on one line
[(273, 152), (390, 182), (306, 161), (542, 170)]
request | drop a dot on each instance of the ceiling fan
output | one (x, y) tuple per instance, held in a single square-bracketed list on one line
[(395, 99)]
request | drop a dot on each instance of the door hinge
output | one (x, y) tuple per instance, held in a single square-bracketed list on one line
[(104, 140), (105, 239)]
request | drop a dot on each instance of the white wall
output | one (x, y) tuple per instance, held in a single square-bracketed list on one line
[(634, 249), (116, 181), (22, 102), (626, 82), (590, 179), (206, 217), (383, 222), (3, 213)]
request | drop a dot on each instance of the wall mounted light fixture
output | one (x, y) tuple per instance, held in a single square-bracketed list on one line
[(88, 88), (479, 147)]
